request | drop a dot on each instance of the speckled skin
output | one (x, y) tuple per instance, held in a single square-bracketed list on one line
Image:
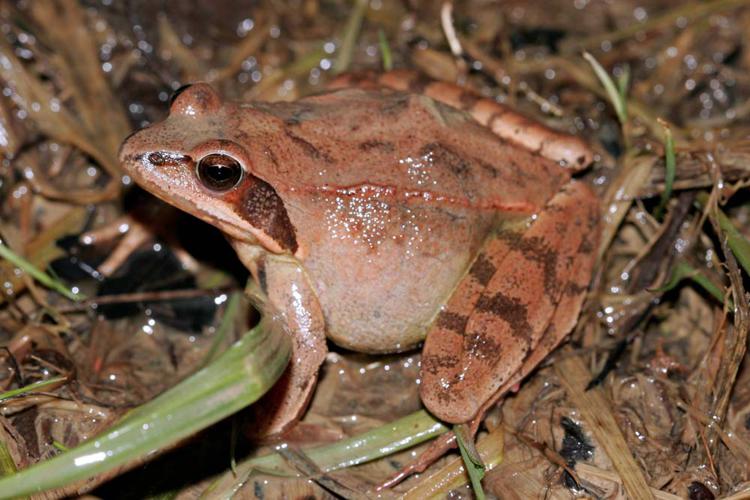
[(362, 213)]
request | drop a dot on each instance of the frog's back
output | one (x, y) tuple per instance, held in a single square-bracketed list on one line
[(389, 191), (407, 146)]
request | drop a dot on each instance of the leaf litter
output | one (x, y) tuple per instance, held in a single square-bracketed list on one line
[(653, 375)]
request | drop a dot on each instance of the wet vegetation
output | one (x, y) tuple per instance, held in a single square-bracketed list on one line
[(109, 297)]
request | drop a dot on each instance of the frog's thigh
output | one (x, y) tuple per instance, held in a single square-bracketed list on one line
[(563, 321), (291, 301), (524, 291)]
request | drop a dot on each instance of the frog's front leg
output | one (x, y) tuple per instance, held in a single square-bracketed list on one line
[(283, 294), (519, 299)]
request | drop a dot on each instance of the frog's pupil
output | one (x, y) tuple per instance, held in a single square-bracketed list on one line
[(219, 172)]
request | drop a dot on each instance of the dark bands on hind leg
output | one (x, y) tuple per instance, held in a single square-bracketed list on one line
[(517, 301)]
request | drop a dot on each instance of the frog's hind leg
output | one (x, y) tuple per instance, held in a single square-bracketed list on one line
[(518, 300)]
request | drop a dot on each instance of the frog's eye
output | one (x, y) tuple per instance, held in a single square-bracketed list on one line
[(195, 100), (219, 172)]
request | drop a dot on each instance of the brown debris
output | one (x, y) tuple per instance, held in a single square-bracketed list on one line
[(670, 414)]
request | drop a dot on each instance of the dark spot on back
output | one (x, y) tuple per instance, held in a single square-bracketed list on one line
[(395, 104), (444, 157), (264, 209), (303, 113), (586, 247), (308, 148), (380, 145), (491, 170), (482, 270), (452, 321)]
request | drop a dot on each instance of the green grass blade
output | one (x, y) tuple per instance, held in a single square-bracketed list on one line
[(377, 443), (234, 380), (616, 98), (40, 276), (737, 242), (385, 51), (623, 82), (31, 387), (7, 465), (225, 327), (472, 461), (670, 170), (681, 271)]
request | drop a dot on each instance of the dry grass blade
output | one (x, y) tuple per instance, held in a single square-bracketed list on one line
[(63, 24), (589, 472), (250, 45), (191, 66), (695, 168), (736, 335), (349, 38), (690, 11), (629, 182), (99, 124), (298, 460), (736, 445), (597, 413), (495, 69), (42, 250), (45, 109)]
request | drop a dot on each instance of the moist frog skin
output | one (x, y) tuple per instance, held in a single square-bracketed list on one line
[(384, 214)]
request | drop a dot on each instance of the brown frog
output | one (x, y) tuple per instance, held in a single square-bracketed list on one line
[(384, 214)]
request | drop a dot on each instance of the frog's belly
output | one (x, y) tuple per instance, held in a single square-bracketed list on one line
[(382, 296)]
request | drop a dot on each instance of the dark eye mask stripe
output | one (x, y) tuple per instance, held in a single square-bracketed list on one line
[(264, 209)]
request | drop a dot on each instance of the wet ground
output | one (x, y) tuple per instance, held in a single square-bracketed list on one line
[(663, 333)]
